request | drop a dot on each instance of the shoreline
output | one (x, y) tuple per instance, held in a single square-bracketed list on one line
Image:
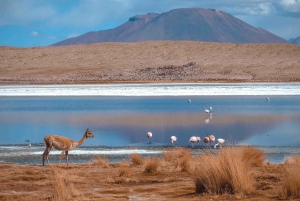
[(153, 89)]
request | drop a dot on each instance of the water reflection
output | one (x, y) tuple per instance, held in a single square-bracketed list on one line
[(119, 121)]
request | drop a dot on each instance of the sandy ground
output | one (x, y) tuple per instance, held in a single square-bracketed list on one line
[(153, 61), (121, 181)]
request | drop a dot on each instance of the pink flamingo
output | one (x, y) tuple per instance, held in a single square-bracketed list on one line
[(173, 139), (149, 135), (194, 139), (211, 138), (206, 140), (208, 110)]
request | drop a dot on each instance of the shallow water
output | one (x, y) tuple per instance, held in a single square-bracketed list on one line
[(120, 123)]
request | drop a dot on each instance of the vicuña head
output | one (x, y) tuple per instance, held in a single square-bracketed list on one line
[(63, 144)]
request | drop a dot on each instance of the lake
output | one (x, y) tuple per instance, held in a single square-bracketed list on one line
[(121, 115)]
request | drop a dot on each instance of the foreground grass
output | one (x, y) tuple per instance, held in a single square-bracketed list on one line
[(228, 174), (290, 187)]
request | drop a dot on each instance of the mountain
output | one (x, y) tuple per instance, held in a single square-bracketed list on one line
[(295, 41), (193, 24)]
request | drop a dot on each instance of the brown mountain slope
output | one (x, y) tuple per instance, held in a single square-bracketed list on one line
[(192, 24), (153, 61)]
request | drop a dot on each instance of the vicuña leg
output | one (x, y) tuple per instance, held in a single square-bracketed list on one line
[(46, 154), (61, 156), (67, 157)]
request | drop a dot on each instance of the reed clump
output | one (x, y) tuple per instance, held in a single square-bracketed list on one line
[(255, 157), (290, 187), (224, 173), (136, 159), (151, 165)]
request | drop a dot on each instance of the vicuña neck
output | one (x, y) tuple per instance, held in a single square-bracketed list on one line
[(76, 144)]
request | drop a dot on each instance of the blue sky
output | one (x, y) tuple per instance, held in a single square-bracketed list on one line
[(27, 23)]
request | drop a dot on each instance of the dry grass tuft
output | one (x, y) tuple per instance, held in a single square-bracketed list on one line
[(100, 161), (136, 159), (183, 162), (124, 170), (253, 156), (224, 173), (290, 187), (63, 188), (151, 165), (169, 154), (180, 157)]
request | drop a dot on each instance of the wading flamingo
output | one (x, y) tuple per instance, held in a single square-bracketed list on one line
[(208, 110), (211, 138), (173, 139), (194, 139), (206, 140), (63, 144), (149, 135), (220, 142)]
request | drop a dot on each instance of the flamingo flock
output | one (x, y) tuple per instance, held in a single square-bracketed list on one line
[(196, 139)]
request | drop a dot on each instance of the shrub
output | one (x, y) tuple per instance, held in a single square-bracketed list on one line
[(151, 165), (225, 172), (290, 187), (136, 159)]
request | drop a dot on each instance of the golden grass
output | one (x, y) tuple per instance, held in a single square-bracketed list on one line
[(180, 157), (124, 170), (100, 161), (224, 173), (151, 165), (290, 187), (253, 156), (63, 188), (136, 159)]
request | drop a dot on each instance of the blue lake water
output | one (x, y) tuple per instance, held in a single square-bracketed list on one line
[(120, 123)]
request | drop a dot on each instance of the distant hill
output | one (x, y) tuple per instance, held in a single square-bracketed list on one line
[(193, 24), (295, 41)]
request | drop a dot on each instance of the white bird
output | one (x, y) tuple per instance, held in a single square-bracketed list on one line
[(208, 110), (189, 100), (29, 145), (173, 139), (149, 135), (268, 99), (220, 142)]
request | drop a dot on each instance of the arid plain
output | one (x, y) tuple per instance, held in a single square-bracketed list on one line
[(153, 61), (175, 176)]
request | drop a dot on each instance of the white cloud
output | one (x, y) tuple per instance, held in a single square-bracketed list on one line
[(19, 12), (290, 5), (38, 35), (34, 34)]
